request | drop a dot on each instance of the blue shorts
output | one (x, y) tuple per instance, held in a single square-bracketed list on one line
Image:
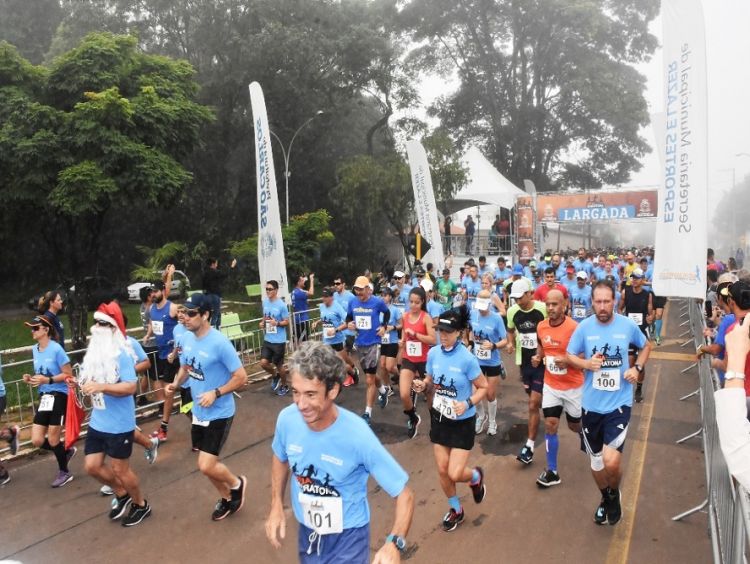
[(352, 546), (600, 429)]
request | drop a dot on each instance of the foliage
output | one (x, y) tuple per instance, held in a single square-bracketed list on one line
[(446, 167)]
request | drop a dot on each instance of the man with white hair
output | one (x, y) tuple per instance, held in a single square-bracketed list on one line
[(108, 376)]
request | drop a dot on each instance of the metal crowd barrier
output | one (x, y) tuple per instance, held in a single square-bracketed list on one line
[(479, 245), (727, 503)]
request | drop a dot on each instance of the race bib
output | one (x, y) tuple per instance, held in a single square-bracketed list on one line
[(363, 322), (482, 354), (579, 312), (330, 330), (270, 329), (158, 327), (607, 380), (46, 402), (554, 368), (414, 348), (444, 406), (637, 318), (97, 401), (528, 340), (324, 515), (385, 339), (200, 422)]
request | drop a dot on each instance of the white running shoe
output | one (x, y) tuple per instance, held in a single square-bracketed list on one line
[(106, 490), (479, 426)]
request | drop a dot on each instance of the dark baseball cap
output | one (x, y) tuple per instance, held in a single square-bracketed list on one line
[(158, 285), (199, 302), (327, 292)]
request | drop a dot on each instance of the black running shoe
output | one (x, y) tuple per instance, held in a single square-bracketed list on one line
[(638, 394), (119, 507), (238, 496), (412, 426), (137, 514), (548, 478), (526, 455), (221, 510), (479, 490), (452, 520), (600, 515), (614, 509)]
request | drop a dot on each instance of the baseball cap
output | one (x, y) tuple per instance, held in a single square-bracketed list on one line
[(519, 288), (517, 268), (453, 319), (570, 268), (727, 278), (482, 304), (363, 281), (37, 321), (397, 274), (637, 273), (158, 285), (327, 293), (446, 271), (582, 275), (199, 302)]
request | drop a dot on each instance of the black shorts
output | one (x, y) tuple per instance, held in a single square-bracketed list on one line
[(417, 367), (114, 445), (56, 416), (601, 429), (452, 433), (389, 351), (338, 347), (491, 371), (273, 352), (533, 378), (152, 354), (167, 370), (211, 439), (659, 302), (349, 343)]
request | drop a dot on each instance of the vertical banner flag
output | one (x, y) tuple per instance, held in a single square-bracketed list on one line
[(681, 230), (424, 197), (525, 226), (271, 262)]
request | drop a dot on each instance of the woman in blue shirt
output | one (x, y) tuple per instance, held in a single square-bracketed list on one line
[(458, 384)]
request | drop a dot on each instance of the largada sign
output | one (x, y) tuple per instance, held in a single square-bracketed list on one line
[(597, 206)]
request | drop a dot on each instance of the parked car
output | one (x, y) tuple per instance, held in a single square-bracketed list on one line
[(179, 289)]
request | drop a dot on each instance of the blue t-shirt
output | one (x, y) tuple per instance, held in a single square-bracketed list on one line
[(503, 274), (343, 299), (402, 300), (50, 362), (452, 373), (601, 274), (299, 303), (561, 271), (472, 287), (210, 362), (721, 339), (118, 415), (335, 463), (434, 309), (140, 354), (487, 328), (277, 310), (580, 302), (179, 338), (162, 325), (583, 265), (366, 317), (391, 338), (607, 390), (332, 318), (2, 384), (648, 275), (569, 284)]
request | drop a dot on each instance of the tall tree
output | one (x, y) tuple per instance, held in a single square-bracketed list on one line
[(29, 25)]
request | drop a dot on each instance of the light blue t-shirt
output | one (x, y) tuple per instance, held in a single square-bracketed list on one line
[(277, 310), (434, 309), (367, 319), (580, 302), (402, 300), (569, 284), (607, 390), (332, 318), (179, 337), (50, 362), (601, 274), (452, 373), (335, 463), (118, 415), (210, 362), (140, 354), (583, 265), (472, 287), (396, 316), (648, 275), (487, 328), (343, 299), (2, 384)]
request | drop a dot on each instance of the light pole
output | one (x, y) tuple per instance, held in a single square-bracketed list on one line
[(287, 152)]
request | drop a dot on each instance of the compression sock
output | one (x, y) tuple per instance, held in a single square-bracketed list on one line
[(164, 426), (60, 455), (480, 410), (46, 445), (381, 389), (657, 326), (454, 503), (552, 442), (530, 444), (492, 410)]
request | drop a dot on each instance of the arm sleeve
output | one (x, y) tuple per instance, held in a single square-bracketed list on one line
[(127, 368), (139, 352), (511, 313)]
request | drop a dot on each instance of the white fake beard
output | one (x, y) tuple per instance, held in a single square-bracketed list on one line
[(100, 363)]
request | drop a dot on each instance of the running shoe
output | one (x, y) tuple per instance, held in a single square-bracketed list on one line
[(4, 479), (355, 375), (548, 478), (275, 383), (638, 394), (658, 341), (600, 514), (383, 398), (282, 391), (153, 452), (452, 520), (106, 490), (390, 391), (479, 490), (62, 479), (492, 428), (366, 417), (221, 510), (348, 381), (526, 455), (238, 496), (119, 506), (479, 425), (159, 434), (15, 435), (412, 426), (70, 453), (614, 509), (137, 514), (503, 373)]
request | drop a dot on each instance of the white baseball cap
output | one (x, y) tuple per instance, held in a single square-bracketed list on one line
[(482, 304), (582, 274), (398, 274), (520, 287)]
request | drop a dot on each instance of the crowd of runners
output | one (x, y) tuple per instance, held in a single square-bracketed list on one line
[(580, 329)]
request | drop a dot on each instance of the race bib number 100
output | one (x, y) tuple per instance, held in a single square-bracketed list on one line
[(324, 515), (607, 380)]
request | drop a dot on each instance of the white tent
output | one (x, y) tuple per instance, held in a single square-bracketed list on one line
[(485, 185)]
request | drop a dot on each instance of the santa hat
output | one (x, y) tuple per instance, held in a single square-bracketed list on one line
[(112, 314)]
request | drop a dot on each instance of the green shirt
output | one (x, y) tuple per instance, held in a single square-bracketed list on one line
[(445, 289)]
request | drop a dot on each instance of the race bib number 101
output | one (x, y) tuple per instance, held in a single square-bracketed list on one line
[(324, 515)]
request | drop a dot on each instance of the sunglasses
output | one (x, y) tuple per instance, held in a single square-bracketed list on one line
[(103, 324), (337, 283), (270, 289), (192, 312), (35, 328)]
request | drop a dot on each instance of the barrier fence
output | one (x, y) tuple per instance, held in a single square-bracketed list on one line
[(727, 503)]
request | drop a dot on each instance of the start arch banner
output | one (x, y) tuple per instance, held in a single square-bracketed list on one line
[(597, 206)]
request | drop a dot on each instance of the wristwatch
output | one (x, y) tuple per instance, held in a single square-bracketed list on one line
[(732, 375), (400, 542), (639, 368)]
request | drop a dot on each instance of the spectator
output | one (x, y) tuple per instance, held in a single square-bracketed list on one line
[(213, 278), (740, 256), (469, 227), (50, 305), (447, 232), (504, 232)]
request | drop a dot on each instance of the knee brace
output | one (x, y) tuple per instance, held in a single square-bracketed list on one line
[(597, 462)]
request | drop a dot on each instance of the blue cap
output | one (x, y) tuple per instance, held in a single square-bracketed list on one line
[(199, 302), (518, 269)]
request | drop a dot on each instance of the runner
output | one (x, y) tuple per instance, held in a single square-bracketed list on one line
[(659, 303), (563, 384), (598, 347), (550, 283), (364, 317), (331, 453), (637, 304), (108, 377), (569, 280), (274, 323), (213, 279), (215, 371), (146, 295), (446, 289), (525, 315), (333, 319), (417, 336), (454, 373), (300, 306), (470, 286), (489, 337), (10, 434), (496, 302), (342, 296), (580, 298), (434, 309), (400, 290), (51, 370), (389, 371)]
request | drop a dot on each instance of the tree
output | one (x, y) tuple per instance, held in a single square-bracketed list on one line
[(29, 26), (446, 167), (547, 87)]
